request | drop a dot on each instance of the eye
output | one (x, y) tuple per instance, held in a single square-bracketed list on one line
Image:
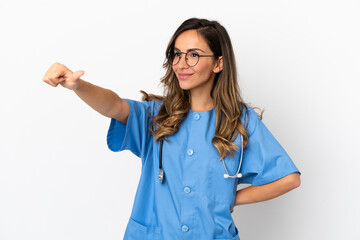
[(194, 54), (177, 54)]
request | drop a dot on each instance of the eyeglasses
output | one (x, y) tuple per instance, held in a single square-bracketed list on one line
[(191, 58)]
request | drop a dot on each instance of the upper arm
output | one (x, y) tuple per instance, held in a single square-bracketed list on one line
[(134, 135), (294, 179), (121, 111)]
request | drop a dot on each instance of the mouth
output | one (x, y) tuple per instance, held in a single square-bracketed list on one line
[(183, 76)]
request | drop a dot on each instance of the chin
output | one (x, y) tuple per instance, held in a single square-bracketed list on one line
[(185, 87)]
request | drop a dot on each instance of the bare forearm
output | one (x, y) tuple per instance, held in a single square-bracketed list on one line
[(100, 99), (268, 191)]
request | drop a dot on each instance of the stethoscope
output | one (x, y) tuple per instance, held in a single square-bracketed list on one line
[(226, 175)]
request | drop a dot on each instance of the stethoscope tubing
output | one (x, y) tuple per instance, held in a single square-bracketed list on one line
[(226, 175)]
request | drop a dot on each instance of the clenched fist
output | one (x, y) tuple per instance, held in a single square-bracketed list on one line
[(59, 73)]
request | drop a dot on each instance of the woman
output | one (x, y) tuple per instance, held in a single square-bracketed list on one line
[(201, 129)]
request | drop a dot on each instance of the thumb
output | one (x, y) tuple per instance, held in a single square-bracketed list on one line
[(78, 74)]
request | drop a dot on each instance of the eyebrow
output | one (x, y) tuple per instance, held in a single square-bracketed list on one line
[(191, 49)]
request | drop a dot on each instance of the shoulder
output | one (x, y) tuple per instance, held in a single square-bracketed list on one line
[(157, 105), (152, 106), (250, 119)]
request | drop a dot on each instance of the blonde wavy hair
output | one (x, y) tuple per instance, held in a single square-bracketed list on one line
[(225, 91)]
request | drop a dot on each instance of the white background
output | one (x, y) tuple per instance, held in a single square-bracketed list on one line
[(299, 60)]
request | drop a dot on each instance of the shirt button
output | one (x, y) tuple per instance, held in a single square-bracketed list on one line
[(197, 116), (187, 190), (190, 152), (184, 228)]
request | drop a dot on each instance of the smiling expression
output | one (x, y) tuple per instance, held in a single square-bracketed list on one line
[(201, 76)]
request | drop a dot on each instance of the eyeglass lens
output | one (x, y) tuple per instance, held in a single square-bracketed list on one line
[(191, 58)]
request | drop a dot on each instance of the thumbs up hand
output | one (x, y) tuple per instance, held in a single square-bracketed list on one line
[(60, 74)]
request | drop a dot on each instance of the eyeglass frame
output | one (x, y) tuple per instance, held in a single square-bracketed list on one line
[(173, 56)]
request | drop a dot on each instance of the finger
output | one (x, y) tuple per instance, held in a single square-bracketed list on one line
[(61, 79), (78, 74), (55, 79), (48, 81)]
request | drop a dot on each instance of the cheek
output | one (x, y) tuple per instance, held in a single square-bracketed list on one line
[(204, 70), (175, 69)]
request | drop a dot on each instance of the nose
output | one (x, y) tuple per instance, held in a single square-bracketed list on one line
[(182, 63)]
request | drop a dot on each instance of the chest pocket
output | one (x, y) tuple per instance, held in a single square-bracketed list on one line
[(219, 188)]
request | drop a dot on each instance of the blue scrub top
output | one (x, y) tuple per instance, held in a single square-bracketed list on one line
[(195, 200)]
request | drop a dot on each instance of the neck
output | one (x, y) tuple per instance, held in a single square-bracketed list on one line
[(201, 102)]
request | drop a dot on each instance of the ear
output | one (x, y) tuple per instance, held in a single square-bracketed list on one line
[(219, 65)]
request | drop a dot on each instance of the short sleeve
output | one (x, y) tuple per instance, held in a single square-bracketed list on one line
[(135, 134), (264, 159)]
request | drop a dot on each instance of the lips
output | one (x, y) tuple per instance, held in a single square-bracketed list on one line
[(184, 76)]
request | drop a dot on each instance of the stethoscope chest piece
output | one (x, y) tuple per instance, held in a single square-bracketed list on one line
[(161, 172), (161, 176)]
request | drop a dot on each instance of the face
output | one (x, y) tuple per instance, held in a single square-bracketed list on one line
[(201, 76)]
